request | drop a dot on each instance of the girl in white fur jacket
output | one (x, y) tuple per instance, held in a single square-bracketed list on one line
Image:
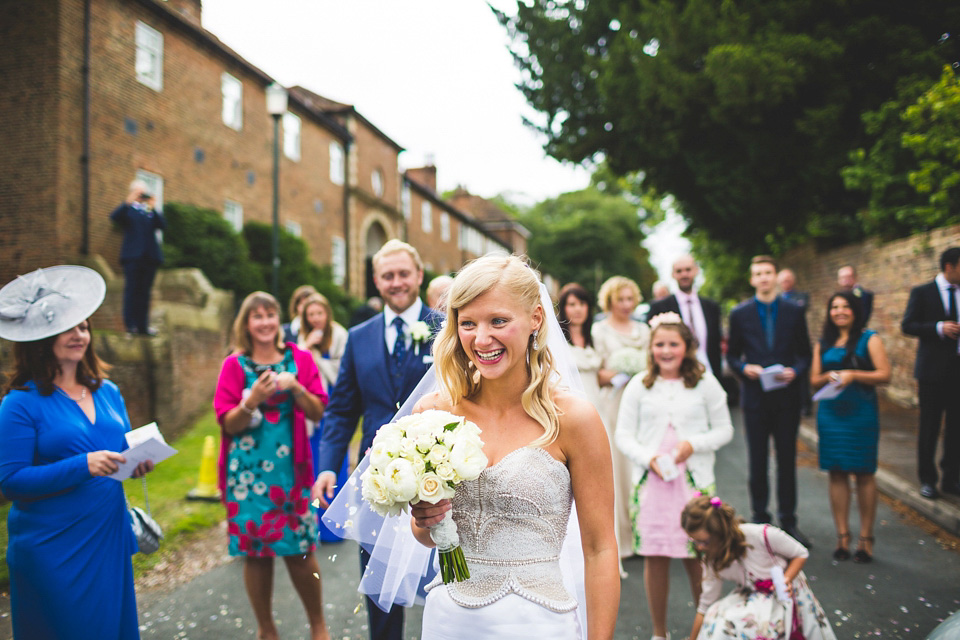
[(672, 419)]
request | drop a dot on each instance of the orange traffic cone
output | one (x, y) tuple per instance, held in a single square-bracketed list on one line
[(206, 488)]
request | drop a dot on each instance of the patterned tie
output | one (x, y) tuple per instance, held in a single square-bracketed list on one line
[(692, 326), (400, 346)]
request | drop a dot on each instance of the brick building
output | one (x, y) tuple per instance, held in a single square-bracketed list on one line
[(99, 92)]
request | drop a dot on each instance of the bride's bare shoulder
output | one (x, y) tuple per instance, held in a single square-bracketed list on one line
[(574, 409), (433, 400)]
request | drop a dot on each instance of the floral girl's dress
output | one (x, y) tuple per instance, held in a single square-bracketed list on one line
[(268, 514)]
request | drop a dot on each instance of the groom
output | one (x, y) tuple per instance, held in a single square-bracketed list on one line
[(380, 367)]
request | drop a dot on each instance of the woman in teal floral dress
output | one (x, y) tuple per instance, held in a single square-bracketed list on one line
[(266, 392)]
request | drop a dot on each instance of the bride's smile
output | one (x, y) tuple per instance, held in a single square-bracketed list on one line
[(494, 331)]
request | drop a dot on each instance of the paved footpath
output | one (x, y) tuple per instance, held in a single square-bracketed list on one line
[(912, 584)]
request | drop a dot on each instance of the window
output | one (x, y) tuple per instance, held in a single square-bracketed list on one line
[(293, 228), (291, 136), (154, 184), (337, 164), (471, 240), (445, 226), (232, 91), (376, 181), (405, 204), (426, 218), (339, 262), (233, 213), (149, 63)]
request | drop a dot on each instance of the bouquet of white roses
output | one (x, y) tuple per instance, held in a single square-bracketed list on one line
[(627, 360), (425, 456)]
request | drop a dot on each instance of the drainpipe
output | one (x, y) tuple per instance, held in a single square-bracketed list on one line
[(346, 215), (85, 152)]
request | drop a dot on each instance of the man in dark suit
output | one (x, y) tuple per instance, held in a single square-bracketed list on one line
[(787, 281), (932, 316), (381, 366), (768, 330), (847, 281), (701, 314), (140, 255)]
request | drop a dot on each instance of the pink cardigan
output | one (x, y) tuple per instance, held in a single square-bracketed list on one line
[(229, 394)]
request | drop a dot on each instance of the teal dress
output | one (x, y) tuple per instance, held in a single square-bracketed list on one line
[(268, 512), (848, 425)]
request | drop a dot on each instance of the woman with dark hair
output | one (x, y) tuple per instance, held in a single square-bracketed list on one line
[(851, 359), (575, 314), (672, 420), (266, 392), (62, 426)]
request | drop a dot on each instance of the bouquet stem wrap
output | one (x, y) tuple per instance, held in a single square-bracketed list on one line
[(453, 566)]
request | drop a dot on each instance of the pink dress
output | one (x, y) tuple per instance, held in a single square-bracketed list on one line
[(656, 507)]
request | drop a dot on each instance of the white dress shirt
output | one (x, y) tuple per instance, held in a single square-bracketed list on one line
[(690, 309), (410, 315)]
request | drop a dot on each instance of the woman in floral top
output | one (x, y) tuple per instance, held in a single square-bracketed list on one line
[(266, 392)]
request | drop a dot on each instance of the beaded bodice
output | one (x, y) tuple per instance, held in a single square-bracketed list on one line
[(512, 521)]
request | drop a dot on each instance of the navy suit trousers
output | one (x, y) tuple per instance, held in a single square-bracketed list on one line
[(782, 424), (138, 278)]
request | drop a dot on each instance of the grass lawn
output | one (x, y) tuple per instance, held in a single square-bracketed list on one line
[(167, 486)]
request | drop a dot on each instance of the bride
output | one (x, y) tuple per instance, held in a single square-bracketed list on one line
[(546, 448)]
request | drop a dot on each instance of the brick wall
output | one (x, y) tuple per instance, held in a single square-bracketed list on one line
[(890, 270)]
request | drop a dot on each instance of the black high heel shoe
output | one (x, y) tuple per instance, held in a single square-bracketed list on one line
[(841, 553), (861, 556)]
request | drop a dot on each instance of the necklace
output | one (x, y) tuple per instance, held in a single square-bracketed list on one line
[(83, 394)]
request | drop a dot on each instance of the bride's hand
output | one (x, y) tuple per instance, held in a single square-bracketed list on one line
[(425, 515)]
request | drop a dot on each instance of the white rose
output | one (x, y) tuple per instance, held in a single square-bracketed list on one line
[(389, 437), (433, 488), (468, 460), (438, 455), (380, 455), (408, 448), (419, 465), (425, 442), (447, 472), (401, 480), (375, 490)]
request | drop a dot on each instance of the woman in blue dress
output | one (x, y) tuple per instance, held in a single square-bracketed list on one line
[(266, 392), (62, 424), (853, 360)]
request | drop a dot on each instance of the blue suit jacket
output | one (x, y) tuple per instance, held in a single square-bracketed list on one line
[(747, 344), (367, 387), (139, 233)]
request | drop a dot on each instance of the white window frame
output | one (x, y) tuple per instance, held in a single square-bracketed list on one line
[(291, 136), (233, 213), (294, 228), (426, 217), (445, 226), (338, 165), (405, 202), (148, 62), (377, 183), (231, 90), (338, 260)]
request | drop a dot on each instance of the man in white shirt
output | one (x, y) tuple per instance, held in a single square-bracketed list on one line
[(701, 314)]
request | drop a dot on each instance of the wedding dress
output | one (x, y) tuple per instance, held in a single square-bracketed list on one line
[(512, 522)]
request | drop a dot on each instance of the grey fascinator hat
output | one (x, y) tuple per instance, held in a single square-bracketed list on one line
[(49, 301)]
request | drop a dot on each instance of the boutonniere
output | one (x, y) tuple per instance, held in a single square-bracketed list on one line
[(420, 332)]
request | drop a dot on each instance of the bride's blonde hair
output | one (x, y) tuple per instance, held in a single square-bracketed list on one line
[(457, 374)]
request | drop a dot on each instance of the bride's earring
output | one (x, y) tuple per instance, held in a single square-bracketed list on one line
[(533, 337)]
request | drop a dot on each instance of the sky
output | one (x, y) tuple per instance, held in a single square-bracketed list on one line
[(434, 75)]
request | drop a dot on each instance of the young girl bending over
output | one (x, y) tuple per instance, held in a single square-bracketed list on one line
[(749, 555)]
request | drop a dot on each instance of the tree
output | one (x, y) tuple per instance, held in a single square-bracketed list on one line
[(745, 111), (587, 236), (912, 172), (295, 268), (201, 238)]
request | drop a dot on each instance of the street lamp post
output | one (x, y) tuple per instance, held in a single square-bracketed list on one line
[(276, 107)]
